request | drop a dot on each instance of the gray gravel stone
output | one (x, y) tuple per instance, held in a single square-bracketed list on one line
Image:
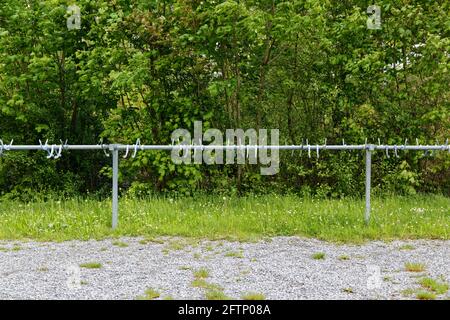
[(278, 268)]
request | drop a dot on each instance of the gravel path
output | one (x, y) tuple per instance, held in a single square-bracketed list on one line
[(278, 268)]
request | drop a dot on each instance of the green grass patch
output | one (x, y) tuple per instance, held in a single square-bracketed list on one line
[(318, 256), (253, 296), (235, 254), (91, 265), (408, 292), (120, 244), (203, 284), (201, 274), (434, 285), (150, 294), (414, 267), (425, 295), (235, 218), (216, 295), (184, 268), (151, 240)]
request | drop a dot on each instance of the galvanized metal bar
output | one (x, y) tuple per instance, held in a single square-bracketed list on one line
[(115, 186), (225, 147), (368, 177)]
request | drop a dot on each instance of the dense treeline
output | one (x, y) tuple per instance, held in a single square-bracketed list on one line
[(140, 69)]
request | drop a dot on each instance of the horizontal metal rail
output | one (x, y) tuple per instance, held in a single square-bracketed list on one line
[(123, 147), (55, 151)]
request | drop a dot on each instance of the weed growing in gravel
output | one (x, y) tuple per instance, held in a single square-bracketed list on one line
[(245, 272), (43, 269), (406, 247), (150, 294), (91, 265), (425, 295), (414, 267), (253, 296), (347, 290), (434, 285), (408, 292), (202, 283), (120, 244), (216, 295), (176, 245), (344, 257), (151, 240), (201, 274), (184, 268), (318, 256), (234, 254)]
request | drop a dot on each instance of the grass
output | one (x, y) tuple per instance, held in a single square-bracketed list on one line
[(235, 218), (414, 267), (120, 244), (408, 292), (197, 255), (235, 254), (185, 268), (429, 290), (203, 284), (91, 265), (253, 296), (151, 240), (434, 285), (216, 295), (201, 274), (318, 256), (150, 294), (425, 295)]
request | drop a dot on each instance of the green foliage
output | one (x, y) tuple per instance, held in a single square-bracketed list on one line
[(310, 68)]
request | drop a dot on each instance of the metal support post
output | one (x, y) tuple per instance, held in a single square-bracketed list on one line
[(369, 150), (115, 186)]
